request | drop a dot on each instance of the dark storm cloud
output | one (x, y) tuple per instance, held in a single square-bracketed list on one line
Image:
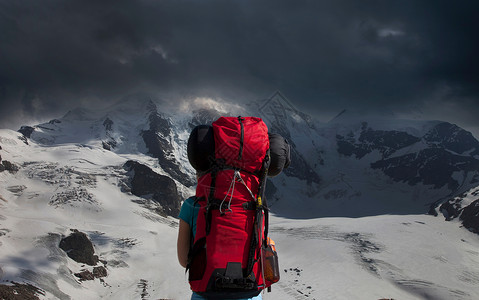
[(324, 55)]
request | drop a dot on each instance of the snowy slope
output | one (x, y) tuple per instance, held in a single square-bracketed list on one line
[(390, 256), (76, 187)]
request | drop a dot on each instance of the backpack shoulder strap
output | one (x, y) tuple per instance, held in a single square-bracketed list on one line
[(258, 220)]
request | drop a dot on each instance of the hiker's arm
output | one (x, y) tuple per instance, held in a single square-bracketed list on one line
[(183, 244)]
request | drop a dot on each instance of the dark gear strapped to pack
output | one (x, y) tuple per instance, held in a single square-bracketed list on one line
[(230, 249)]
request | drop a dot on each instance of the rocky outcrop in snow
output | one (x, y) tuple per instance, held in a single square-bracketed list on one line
[(109, 143), (79, 248), (8, 166), (26, 131), (97, 272), (20, 291), (146, 183), (453, 138), (158, 141), (470, 216), (465, 208)]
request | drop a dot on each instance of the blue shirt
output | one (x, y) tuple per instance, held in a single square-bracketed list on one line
[(189, 212)]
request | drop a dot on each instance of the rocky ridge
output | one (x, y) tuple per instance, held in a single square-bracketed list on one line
[(464, 208)]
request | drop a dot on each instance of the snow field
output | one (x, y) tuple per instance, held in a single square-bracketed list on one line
[(390, 256)]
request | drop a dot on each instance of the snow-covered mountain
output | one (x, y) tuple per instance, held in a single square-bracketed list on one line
[(118, 175), (350, 163)]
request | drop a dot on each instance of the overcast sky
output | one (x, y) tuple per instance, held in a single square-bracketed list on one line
[(414, 58)]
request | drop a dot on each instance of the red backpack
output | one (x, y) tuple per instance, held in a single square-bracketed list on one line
[(231, 227)]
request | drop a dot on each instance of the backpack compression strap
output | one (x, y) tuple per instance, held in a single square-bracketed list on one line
[(209, 201), (240, 120), (260, 208)]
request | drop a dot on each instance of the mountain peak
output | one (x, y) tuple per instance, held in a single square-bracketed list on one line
[(278, 111), (79, 114), (151, 106)]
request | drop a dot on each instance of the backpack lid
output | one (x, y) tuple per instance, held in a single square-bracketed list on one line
[(241, 142)]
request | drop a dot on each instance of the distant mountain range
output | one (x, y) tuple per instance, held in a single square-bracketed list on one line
[(353, 165)]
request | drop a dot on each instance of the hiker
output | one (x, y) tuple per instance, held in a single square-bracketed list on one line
[(222, 237), (188, 211)]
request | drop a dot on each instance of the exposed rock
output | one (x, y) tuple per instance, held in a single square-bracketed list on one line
[(85, 275), (108, 123), (26, 131), (19, 291), (451, 209), (108, 145), (470, 216), (54, 121), (465, 207), (453, 138), (105, 145), (8, 166), (157, 140), (151, 106), (23, 139), (144, 182), (100, 271), (79, 248)]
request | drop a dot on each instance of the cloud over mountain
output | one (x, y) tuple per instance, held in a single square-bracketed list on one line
[(401, 55)]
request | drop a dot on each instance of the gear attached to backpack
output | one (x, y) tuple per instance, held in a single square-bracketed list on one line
[(231, 256)]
